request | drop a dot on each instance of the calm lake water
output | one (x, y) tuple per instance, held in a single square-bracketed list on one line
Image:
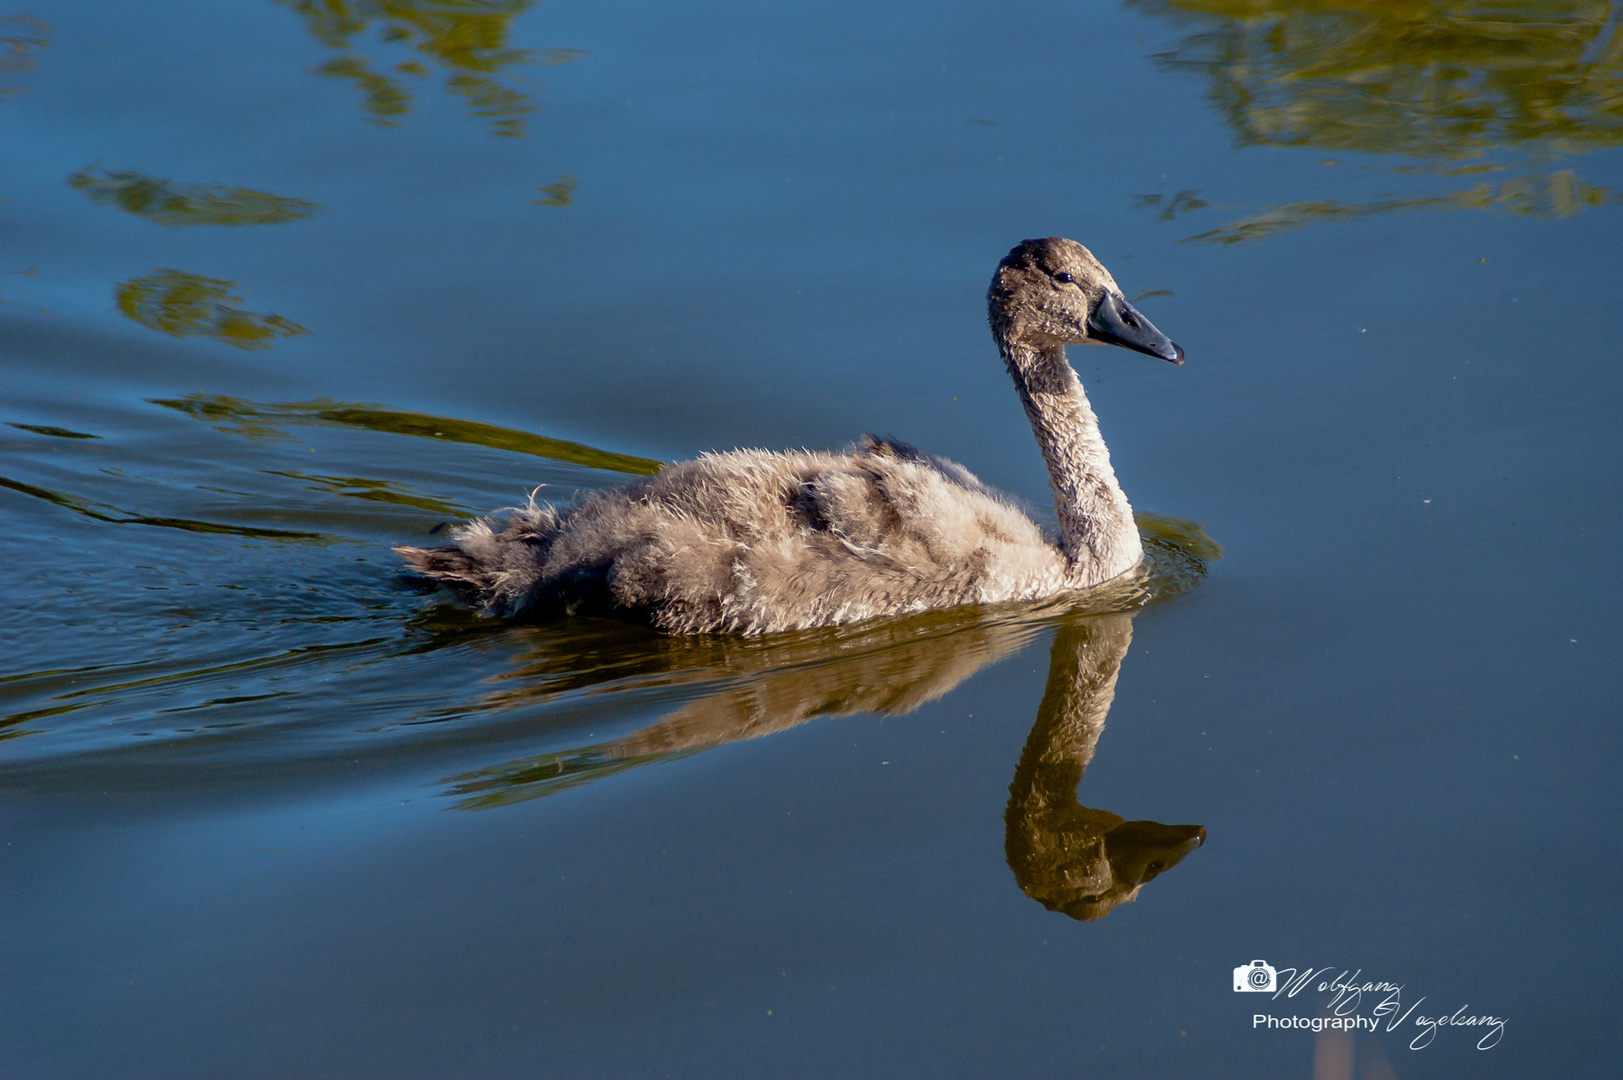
[(285, 283)]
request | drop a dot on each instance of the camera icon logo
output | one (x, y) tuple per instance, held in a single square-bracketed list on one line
[(1256, 977)]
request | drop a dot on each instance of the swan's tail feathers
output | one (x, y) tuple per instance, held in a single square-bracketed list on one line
[(477, 559), (500, 563), (449, 564)]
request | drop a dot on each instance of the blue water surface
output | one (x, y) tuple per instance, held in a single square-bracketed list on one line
[(286, 282)]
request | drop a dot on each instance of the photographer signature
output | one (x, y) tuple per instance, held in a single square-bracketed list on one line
[(1349, 995)]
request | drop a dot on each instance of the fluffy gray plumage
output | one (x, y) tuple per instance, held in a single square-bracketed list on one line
[(753, 542)]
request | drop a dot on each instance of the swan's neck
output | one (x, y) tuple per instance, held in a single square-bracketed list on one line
[(1096, 530)]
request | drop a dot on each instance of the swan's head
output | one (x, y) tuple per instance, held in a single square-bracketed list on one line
[(1054, 290)]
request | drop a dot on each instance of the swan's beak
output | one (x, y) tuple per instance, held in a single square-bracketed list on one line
[(1116, 322)]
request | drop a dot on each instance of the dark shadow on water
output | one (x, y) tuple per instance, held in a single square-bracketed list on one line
[(52, 431), (112, 515)]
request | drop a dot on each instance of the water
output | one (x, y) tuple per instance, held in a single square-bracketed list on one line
[(285, 284)]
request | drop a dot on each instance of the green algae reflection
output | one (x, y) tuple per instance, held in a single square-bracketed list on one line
[(180, 304), (1456, 85), (1435, 79), (21, 37), (464, 39), (167, 202), (266, 421), (1549, 195), (560, 194)]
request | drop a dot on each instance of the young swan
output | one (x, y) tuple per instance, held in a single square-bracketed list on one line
[(753, 542)]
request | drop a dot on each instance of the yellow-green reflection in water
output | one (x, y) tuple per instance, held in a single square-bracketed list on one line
[(1551, 195), (254, 420), (560, 194), (182, 304), (360, 487), (21, 38), (465, 39), (165, 202), (1444, 81), (1428, 78)]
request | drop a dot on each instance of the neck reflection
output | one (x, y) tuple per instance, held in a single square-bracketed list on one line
[(1069, 857)]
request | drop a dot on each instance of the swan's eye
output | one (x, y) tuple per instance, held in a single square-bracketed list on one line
[(1064, 277)]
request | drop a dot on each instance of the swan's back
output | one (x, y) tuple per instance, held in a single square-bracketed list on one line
[(755, 542)]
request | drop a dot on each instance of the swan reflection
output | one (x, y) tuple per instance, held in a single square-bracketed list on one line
[(21, 39), (1069, 857)]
